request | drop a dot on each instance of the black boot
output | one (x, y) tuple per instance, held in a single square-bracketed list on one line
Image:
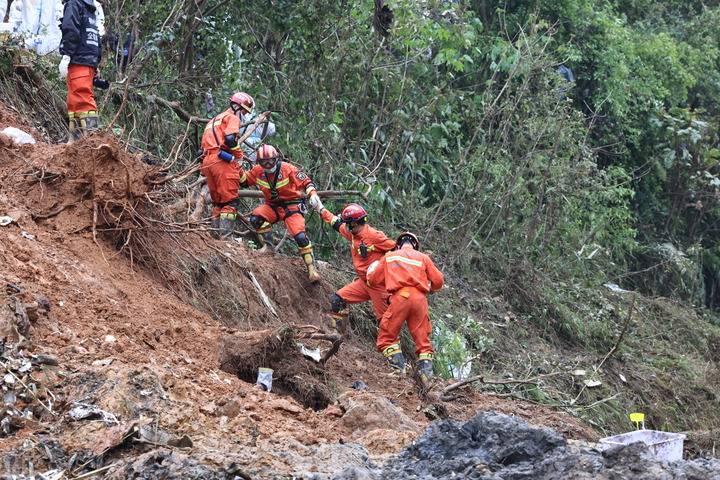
[(397, 362), (425, 369)]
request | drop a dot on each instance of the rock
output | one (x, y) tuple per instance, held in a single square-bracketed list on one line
[(365, 412), (333, 411), (383, 441), (230, 409), (285, 405)]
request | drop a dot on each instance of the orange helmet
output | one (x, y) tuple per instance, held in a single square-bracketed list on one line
[(407, 237), (265, 154), (353, 213), (242, 100)]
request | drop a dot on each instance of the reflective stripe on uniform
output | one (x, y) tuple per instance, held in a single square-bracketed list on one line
[(409, 261), (392, 350)]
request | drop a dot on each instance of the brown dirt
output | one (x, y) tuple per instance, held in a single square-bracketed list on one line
[(139, 333)]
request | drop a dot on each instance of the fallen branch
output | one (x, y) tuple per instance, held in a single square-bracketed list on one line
[(262, 294), (480, 378), (54, 211), (179, 111)]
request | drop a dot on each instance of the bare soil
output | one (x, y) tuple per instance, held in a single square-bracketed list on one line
[(139, 321)]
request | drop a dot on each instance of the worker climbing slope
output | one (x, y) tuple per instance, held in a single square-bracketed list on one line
[(367, 245), (221, 149), (409, 276), (284, 187)]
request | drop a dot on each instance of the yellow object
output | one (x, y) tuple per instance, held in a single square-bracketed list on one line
[(638, 418)]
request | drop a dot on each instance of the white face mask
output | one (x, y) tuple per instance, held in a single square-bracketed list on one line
[(246, 117)]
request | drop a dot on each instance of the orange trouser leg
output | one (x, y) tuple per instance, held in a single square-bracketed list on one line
[(391, 323), (80, 98), (414, 309), (223, 180), (294, 223), (358, 291), (267, 213), (419, 324)]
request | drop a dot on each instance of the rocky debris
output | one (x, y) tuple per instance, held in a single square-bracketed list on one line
[(493, 446), (243, 354), (24, 399), (170, 465), (365, 412)]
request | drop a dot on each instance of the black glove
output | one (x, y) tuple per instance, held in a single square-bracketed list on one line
[(101, 83), (363, 250)]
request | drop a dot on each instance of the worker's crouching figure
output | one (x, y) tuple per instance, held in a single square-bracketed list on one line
[(284, 187), (409, 276)]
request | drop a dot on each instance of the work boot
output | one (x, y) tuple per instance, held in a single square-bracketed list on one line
[(223, 226), (339, 322), (307, 255), (425, 369), (313, 274), (397, 362), (92, 122), (72, 129)]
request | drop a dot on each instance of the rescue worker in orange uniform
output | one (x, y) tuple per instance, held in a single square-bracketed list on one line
[(80, 50), (366, 246), (284, 187), (409, 276), (220, 166)]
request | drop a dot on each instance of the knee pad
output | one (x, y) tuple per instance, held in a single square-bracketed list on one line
[(302, 240), (256, 221), (337, 304)]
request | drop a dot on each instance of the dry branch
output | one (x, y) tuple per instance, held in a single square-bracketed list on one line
[(481, 379)]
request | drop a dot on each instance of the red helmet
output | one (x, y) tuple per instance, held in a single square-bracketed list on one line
[(266, 152), (353, 213), (407, 237), (243, 100)]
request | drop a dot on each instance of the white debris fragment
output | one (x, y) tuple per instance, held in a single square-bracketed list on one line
[(6, 220), (110, 339), (614, 287), (18, 136)]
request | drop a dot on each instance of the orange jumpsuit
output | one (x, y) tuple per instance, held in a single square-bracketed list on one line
[(223, 178), (377, 244), (409, 276), (284, 191)]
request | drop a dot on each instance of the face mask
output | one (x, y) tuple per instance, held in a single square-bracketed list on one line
[(246, 117)]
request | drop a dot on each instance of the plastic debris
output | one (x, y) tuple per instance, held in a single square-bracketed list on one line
[(614, 287), (110, 339), (264, 378), (6, 220), (359, 385), (18, 136), (27, 235), (311, 354), (592, 383), (86, 411)]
